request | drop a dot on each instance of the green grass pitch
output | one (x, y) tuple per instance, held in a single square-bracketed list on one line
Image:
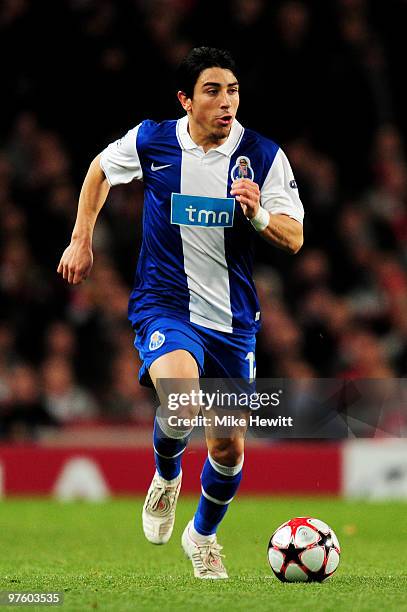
[(96, 554)]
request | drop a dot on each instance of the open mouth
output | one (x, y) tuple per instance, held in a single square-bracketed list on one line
[(225, 120)]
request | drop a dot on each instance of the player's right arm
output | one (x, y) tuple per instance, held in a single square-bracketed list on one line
[(119, 163), (77, 259)]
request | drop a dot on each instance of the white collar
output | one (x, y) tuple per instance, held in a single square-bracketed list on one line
[(227, 148)]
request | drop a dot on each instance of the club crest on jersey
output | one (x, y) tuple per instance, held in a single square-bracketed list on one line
[(242, 169), (157, 339)]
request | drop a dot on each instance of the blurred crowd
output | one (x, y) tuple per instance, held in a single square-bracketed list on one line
[(323, 79)]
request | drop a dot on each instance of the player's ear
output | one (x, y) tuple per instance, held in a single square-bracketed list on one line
[(185, 102)]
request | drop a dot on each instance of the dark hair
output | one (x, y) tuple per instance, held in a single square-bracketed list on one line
[(196, 61)]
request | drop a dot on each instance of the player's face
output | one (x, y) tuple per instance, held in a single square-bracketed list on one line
[(214, 103)]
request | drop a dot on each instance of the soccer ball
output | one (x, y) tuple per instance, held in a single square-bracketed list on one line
[(304, 549)]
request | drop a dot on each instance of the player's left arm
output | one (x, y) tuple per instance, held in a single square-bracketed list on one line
[(279, 229), (275, 210)]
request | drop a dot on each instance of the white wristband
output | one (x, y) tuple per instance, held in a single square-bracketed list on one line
[(261, 220)]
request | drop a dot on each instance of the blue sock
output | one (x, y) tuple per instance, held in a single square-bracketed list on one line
[(219, 485), (168, 451)]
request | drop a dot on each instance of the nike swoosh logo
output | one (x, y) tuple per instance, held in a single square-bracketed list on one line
[(155, 168)]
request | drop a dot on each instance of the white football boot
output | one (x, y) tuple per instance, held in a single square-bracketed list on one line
[(206, 557), (159, 508)]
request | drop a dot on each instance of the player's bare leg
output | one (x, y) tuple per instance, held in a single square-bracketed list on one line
[(220, 478), (169, 444)]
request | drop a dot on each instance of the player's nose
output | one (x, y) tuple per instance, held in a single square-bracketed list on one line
[(225, 101)]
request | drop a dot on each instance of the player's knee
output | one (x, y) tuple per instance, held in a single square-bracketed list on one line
[(182, 411), (227, 452), (177, 422), (186, 414)]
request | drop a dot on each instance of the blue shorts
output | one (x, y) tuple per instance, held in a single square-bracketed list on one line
[(218, 354)]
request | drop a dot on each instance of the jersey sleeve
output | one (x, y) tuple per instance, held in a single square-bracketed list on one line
[(279, 193), (120, 160)]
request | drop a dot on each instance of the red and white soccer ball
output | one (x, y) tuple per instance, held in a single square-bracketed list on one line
[(304, 549)]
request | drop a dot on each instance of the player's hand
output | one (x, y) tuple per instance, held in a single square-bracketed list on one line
[(76, 261), (248, 194)]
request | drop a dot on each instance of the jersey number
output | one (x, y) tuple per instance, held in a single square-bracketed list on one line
[(252, 365)]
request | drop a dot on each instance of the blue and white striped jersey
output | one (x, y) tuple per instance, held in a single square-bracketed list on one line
[(196, 257)]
